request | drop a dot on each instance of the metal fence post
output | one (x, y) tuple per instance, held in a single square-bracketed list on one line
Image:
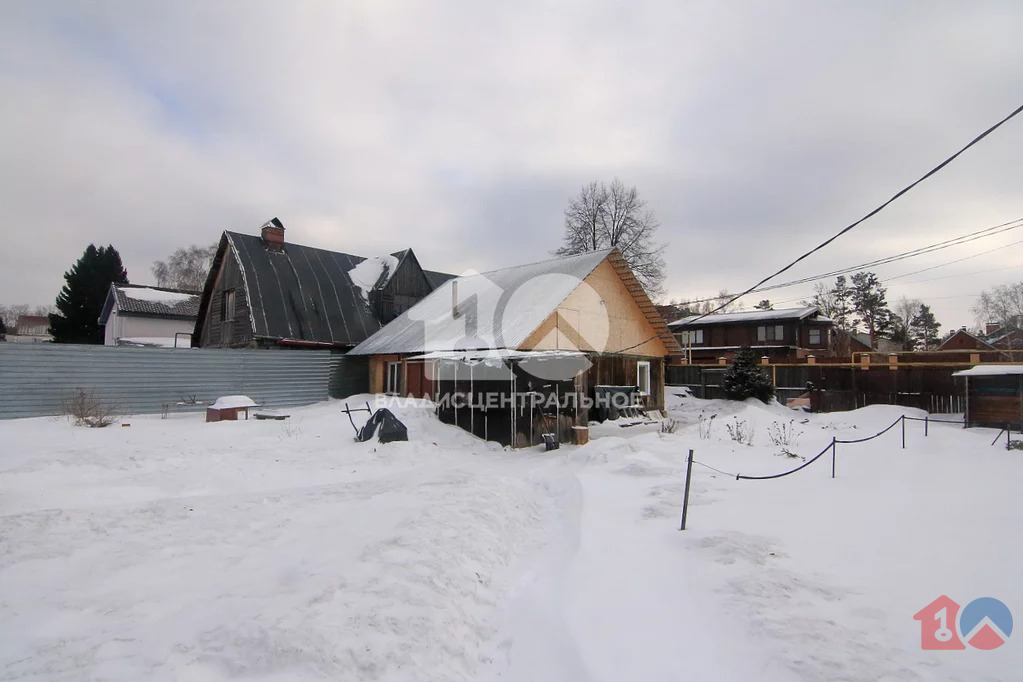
[(833, 448), (926, 422), (903, 432), (1008, 432), (685, 496)]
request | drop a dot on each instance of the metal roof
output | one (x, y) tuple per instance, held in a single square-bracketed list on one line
[(990, 371), (302, 293), (180, 304), (751, 316), (497, 309)]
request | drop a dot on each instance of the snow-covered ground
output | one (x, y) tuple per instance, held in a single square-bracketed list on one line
[(264, 550)]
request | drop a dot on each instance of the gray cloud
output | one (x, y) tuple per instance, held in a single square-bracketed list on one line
[(461, 129)]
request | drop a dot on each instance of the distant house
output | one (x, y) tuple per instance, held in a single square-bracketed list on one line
[(1006, 339), (553, 333), (788, 333), (136, 315), (30, 329), (964, 340), (263, 292)]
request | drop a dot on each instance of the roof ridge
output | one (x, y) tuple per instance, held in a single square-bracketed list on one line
[(557, 259)]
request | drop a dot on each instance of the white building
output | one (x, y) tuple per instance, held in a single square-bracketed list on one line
[(149, 316)]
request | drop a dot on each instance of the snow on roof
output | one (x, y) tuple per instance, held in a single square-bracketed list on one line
[(753, 316), (227, 402), (373, 273), (156, 342), (497, 309), (496, 353), (990, 371), (156, 295), (152, 301)]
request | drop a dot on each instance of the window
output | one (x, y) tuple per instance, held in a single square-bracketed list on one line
[(394, 378), (692, 338), (643, 377), (227, 307), (771, 333), (815, 336)]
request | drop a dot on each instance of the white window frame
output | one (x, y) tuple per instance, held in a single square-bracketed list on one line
[(771, 332), (393, 377), (692, 337), (640, 366)]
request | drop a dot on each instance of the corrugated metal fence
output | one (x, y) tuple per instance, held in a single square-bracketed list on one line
[(36, 378)]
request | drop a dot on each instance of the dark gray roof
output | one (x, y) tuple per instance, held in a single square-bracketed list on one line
[(302, 293), (437, 278), (179, 303)]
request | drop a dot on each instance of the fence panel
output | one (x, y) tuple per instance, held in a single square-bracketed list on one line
[(36, 378)]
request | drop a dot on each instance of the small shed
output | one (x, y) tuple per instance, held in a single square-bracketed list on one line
[(994, 395), (228, 407)]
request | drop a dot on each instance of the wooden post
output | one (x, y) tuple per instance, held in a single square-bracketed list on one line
[(1008, 432), (833, 448), (903, 432), (925, 424), (685, 495)]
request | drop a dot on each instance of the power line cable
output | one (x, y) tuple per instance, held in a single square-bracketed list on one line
[(874, 212)]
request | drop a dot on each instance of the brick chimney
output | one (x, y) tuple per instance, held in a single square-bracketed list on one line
[(273, 235), (991, 328)]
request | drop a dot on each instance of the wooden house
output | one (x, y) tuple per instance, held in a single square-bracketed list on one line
[(994, 395), (262, 292), (515, 353), (964, 340), (783, 334)]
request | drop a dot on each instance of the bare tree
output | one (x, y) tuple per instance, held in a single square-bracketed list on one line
[(602, 216), (901, 330), (1002, 304), (186, 268)]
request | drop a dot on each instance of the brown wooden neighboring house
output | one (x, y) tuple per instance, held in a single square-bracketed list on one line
[(263, 292), (964, 340), (788, 333)]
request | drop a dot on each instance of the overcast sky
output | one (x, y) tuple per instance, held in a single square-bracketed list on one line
[(462, 129)]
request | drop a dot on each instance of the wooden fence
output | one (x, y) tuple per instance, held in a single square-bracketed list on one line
[(833, 388)]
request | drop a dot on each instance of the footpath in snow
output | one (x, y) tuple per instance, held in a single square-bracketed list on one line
[(179, 550)]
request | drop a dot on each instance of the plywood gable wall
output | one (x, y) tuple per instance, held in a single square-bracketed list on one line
[(600, 315)]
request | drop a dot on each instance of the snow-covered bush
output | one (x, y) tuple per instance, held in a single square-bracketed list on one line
[(784, 436), (741, 431), (669, 425), (88, 409), (744, 378), (706, 423)]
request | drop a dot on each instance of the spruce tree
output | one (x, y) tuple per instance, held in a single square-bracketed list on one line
[(925, 327), (3, 330), (81, 299), (744, 378)]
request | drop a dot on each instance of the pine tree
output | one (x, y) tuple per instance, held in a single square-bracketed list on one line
[(869, 303), (764, 305), (744, 378), (81, 299), (925, 327), (3, 330)]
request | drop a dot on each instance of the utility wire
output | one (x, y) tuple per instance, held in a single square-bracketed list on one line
[(930, 248), (841, 232), (874, 212)]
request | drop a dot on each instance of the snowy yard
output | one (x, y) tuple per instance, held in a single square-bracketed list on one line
[(264, 550)]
